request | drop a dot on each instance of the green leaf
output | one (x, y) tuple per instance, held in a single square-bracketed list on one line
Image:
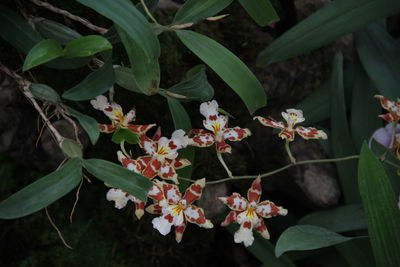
[(42, 52), (229, 67), (44, 92), (336, 19), (364, 110), (124, 135), (263, 250), (42, 192), (124, 14), (380, 55), (381, 211), (342, 144), (124, 77), (357, 252), (262, 11), (195, 86), (146, 71), (86, 46), (182, 121), (307, 237), (341, 219), (96, 83), (50, 29), (89, 124), (119, 177), (194, 10), (71, 148)]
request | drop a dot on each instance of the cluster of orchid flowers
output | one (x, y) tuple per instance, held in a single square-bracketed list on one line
[(161, 160)]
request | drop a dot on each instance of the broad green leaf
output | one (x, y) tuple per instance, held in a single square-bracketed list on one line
[(307, 237), (146, 71), (42, 52), (50, 29), (182, 121), (71, 149), (119, 177), (121, 135), (96, 83), (262, 11), (381, 211), (316, 107), (342, 144), (380, 55), (195, 86), (124, 14), (194, 10), (263, 250), (89, 124), (86, 46), (228, 66), (44, 92), (336, 19), (42, 192), (124, 77), (364, 110), (341, 219)]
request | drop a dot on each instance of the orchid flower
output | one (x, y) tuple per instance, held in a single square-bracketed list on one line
[(393, 108), (121, 197), (249, 213), (178, 210), (118, 120), (162, 155), (217, 131), (292, 117)]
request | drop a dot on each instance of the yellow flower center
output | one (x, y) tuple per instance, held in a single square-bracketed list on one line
[(162, 150), (216, 127), (120, 117), (178, 209), (251, 212)]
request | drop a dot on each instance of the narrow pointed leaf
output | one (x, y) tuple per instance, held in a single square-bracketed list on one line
[(124, 77), (71, 149), (262, 11), (307, 237), (336, 19), (86, 46), (228, 66), (51, 29), (44, 92), (380, 55), (42, 192), (89, 124), (119, 177), (194, 10), (42, 52), (381, 211)]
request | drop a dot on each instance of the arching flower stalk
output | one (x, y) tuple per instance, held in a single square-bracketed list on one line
[(216, 132), (249, 213), (118, 119), (178, 210), (288, 129)]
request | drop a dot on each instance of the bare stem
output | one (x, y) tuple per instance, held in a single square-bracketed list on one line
[(148, 12), (287, 148), (219, 155)]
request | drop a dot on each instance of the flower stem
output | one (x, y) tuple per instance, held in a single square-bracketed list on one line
[(287, 148), (219, 155), (122, 145), (148, 12)]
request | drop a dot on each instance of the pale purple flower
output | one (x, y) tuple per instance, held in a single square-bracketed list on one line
[(384, 135)]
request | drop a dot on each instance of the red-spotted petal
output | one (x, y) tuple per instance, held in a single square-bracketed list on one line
[(156, 193), (154, 209), (262, 229), (152, 169), (236, 134), (230, 218), (310, 133), (193, 192), (245, 234), (202, 138), (131, 164), (223, 147), (254, 192), (268, 209), (167, 172), (143, 161), (196, 215), (140, 129), (179, 230), (171, 192), (271, 122), (106, 128), (286, 134), (388, 104), (235, 202), (139, 207), (147, 144), (179, 163), (390, 117)]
